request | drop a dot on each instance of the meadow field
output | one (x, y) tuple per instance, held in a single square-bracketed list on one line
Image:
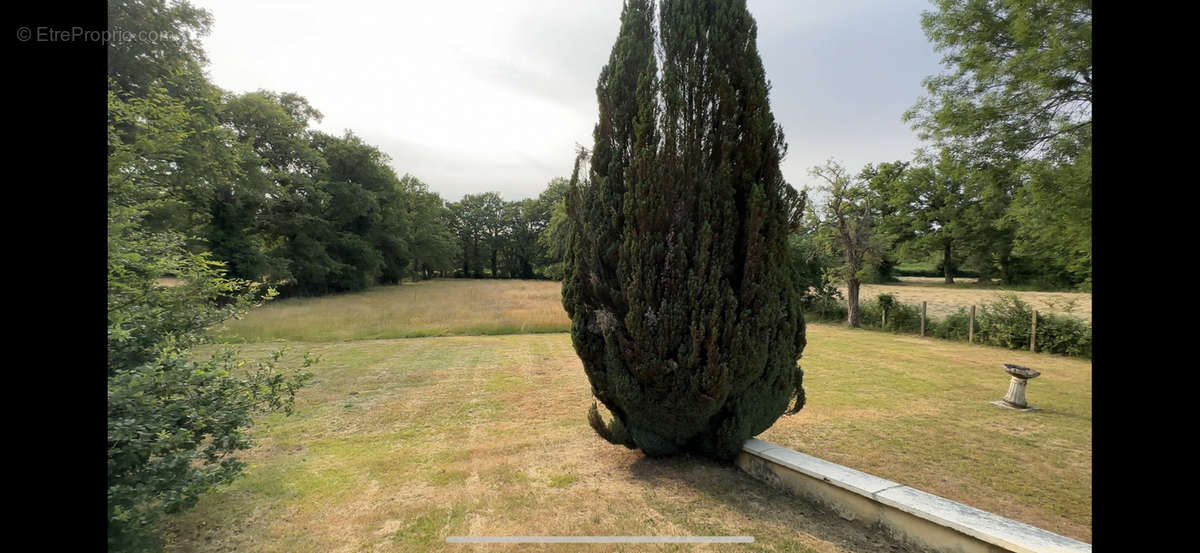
[(447, 307), (944, 299), (398, 443)]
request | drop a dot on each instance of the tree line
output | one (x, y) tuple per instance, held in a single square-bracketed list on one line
[(1004, 193), (247, 178)]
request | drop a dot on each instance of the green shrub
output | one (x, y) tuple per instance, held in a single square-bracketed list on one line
[(1005, 322), (1008, 321), (869, 314), (1064, 335), (904, 318), (886, 302), (824, 305), (951, 327), (900, 317)]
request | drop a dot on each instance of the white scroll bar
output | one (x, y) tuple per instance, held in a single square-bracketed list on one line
[(600, 539)]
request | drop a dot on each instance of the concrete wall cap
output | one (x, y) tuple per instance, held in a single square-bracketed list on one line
[(989, 527), (838, 475), (1005, 533)]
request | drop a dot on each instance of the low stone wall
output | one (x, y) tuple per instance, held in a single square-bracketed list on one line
[(924, 519)]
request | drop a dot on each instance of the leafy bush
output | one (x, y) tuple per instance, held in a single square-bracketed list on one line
[(870, 314), (900, 317), (172, 425), (1064, 335), (824, 304), (1005, 322), (1008, 321), (904, 318), (951, 327), (886, 302)]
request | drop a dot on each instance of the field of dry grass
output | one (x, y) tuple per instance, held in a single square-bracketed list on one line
[(428, 308), (946, 299)]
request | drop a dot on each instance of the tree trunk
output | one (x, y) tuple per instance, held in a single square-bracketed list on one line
[(466, 260), (1006, 269), (852, 287), (946, 264), (477, 265), (495, 273)]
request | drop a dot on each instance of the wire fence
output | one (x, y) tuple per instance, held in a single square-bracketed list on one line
[(1007, 322)]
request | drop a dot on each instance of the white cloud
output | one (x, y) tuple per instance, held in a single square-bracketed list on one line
[(479, 96)]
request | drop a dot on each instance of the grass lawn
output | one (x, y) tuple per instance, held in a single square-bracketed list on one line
[(399, 443), (917, 411)]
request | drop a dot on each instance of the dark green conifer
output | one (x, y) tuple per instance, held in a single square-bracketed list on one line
[(684, 310)]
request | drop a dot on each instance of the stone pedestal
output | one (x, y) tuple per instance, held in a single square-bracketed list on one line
[(1015, 398), (1016, 392)]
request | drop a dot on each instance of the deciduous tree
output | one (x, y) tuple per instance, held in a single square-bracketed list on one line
[(1018, 94), (849, 213)]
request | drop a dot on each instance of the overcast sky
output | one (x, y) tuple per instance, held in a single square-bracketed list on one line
[(493, 95)]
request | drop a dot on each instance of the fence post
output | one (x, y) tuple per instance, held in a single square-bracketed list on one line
[(883, 324), (971, 327), (1033, 333), (922, 319)]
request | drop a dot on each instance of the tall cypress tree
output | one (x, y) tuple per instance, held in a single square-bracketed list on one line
[(684, 311)]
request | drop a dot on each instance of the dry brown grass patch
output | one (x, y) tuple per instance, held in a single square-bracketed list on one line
[(944, 300)]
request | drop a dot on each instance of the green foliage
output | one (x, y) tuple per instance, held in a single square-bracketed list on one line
[(935, 270), (688, 330), (1064, 335), (245, 177), (1005, 322), (814, 269), (904, 318), (1016, 108), (138, 65), (173, 423), (249, 180), (849, 218), (1020, 75), (553, 241), (884, 272), (433, 247), (955, 326), (886, 301), (1053, 217), (828, 305), (900, 317), (1008, 321)]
